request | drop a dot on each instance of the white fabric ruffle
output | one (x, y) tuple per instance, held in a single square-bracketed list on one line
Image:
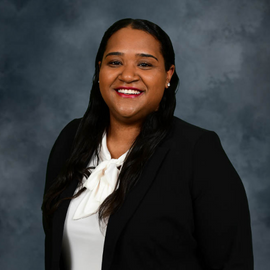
[(101, 182)]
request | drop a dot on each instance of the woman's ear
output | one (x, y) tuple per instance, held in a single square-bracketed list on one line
[(169, 75)]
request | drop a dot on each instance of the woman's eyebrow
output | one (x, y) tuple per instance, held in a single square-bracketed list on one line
[(146, 55), (114, 53), (138, 54)]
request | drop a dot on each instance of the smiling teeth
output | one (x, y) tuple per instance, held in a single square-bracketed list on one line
[(128, 91)]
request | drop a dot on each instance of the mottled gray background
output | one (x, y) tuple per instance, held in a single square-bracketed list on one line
[(47, 51)]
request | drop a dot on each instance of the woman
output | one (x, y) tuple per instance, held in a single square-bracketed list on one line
[(130, 186)]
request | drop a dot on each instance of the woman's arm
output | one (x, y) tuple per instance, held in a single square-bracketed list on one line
[(220, 208), (60, 151), (59, 154)]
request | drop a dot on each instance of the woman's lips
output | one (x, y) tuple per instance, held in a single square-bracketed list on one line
[(129, 92)]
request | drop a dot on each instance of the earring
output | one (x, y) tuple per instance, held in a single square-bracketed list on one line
[(168, 84), (98, 81)]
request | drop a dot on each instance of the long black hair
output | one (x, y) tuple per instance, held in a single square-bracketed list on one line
[(96, 120)]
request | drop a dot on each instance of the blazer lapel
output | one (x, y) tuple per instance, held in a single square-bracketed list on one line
[(58, 221), (119, 219)]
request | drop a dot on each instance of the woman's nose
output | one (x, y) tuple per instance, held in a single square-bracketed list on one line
[(128, 74)]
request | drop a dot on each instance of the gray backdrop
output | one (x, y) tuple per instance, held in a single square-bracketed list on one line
[(47, 51)]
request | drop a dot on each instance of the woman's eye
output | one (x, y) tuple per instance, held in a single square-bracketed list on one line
[(115, 63), (145, 65)]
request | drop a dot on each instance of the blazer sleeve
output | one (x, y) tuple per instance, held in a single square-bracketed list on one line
[(59, 154), (222, 220)]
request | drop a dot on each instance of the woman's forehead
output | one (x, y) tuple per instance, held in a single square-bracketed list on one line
[(128, 40)]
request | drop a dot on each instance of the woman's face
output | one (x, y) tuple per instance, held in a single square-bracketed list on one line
[(132, 75)]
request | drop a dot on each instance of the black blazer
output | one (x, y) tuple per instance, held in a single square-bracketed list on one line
[(188, 211)]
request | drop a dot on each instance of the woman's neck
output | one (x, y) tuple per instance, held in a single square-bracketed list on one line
[(120, 138)]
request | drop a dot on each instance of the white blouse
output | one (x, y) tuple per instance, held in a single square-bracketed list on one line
[(83, 239)]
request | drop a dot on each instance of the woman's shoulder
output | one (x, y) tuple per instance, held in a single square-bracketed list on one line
[(189, 133), (66, 137), (69, 131), (61, 150)]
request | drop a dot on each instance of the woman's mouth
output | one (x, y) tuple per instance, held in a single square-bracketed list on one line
[(123, 92), (128, 91)]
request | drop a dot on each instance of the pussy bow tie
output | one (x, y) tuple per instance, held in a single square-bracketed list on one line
[(100, 184)]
